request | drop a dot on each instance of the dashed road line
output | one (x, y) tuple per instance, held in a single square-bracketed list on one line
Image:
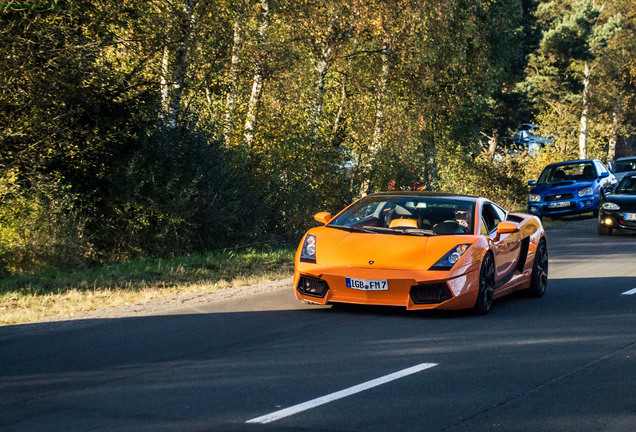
[(630, 292), (277, 415)]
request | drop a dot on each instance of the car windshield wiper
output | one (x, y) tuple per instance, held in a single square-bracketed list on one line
[(396, 230), (385, 230)]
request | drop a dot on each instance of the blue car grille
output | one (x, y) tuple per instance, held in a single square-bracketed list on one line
[(559, 197)]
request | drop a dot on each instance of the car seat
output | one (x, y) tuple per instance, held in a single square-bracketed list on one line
[(559, 175), (588, 172)]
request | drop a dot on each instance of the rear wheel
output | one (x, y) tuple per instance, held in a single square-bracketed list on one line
[(539, 278), (486, 285)]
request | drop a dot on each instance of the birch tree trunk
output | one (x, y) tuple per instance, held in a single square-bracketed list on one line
[(234, 71), (322, 67), (336, 136), (376, 144), (585, 112), (180, 65), (611, 151), (165, 64), (493, 142), (379, 112), (335, 140), (257, 81)]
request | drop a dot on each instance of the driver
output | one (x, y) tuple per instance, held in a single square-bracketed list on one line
[(461, 216)]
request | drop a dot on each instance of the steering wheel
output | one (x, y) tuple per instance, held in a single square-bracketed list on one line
[(448, 227)]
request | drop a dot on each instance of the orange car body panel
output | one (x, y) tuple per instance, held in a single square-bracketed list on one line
[(405, 261)]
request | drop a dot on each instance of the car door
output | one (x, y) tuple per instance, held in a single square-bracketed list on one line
[(608, 179), (507, 247)]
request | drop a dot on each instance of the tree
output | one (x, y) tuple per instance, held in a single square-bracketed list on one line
[(575, 36)]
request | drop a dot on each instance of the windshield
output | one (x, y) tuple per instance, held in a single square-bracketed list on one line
[(625, 165), (569, 172), (627, 185), (411, 215)]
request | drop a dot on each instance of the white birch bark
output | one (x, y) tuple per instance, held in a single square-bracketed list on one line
[(611, 151), (376, 144), (585, 112), (257, 81), (379, 112), (493, 142), (180, 65), (234, 71), (336, 122), (165, 63), (321, 67)]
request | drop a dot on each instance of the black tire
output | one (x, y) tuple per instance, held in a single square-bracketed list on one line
[(486, 285), (539, 278)]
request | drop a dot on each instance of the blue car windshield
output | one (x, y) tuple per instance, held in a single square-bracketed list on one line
[(568, 172), (627, 186), (415, 215)]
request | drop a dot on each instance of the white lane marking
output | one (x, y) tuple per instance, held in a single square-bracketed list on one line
[(277, 415), (630, 292)]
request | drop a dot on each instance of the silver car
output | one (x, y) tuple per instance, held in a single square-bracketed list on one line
[(622, 166)]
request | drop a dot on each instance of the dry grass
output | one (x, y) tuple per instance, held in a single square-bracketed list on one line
[(28, 298)]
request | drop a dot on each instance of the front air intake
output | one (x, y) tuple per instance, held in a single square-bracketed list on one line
[(430, 293), (312, 287)]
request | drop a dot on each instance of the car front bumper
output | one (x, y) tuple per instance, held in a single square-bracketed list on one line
[(615, 219), (566, 207), (410, 289)]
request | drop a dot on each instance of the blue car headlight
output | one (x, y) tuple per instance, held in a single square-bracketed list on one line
[(534, 198), (586, 192), (308, 252), (448, 261)]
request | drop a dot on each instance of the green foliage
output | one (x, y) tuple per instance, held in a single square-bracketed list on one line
[(122, 124), (299, 177), (181, 195), (42, 228)]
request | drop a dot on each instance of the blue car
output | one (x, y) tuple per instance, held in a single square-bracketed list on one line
[(570, 187)]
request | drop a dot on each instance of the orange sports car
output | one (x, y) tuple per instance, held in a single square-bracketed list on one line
[(421, 250)]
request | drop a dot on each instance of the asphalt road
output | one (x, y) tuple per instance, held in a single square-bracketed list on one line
[(566, 362)]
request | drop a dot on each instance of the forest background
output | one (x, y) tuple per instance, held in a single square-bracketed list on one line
[(167, 127)]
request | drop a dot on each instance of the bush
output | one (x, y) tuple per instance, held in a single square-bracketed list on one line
[(503, 180), (41, 227), (181, 195)]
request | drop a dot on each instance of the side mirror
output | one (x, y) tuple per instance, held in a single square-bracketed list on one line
[(604, 174), (323, 217), (532, 183), (507, 228)]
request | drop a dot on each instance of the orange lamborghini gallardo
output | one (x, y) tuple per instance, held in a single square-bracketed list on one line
[(421, 250)]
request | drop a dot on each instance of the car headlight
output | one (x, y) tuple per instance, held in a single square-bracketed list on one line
[(534, 198), (610, 206), (308, 252), (586, 192), (448, 261)]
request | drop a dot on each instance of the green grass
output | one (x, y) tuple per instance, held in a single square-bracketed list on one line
[(31, 297)]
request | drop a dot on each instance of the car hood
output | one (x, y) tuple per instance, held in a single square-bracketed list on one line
[(620, 199), (337, 247), (563, 187)]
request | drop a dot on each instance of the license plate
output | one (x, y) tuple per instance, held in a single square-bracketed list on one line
[(559, 204), (630, 216), (368, 285)]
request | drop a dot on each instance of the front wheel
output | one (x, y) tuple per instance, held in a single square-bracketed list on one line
[(539, 278), (486, 285), (603, 229)]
